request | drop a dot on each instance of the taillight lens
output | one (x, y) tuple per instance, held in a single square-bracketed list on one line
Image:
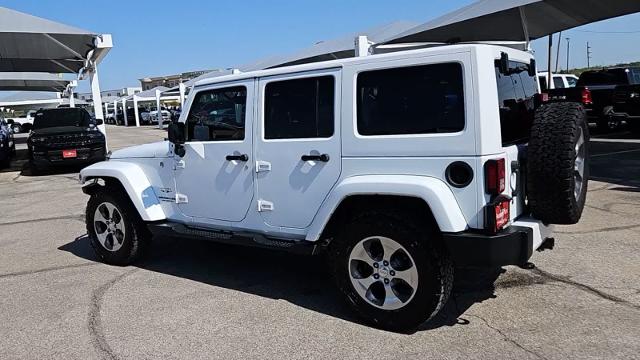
[(586, 97), (494, 173), (498, 214)]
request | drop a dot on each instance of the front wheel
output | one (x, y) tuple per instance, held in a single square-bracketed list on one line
[(391, 270), (116, 231)]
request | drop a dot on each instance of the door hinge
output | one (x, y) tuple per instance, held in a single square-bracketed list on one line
[(264, 205), (263, 166), (181, 199), (180, 165)]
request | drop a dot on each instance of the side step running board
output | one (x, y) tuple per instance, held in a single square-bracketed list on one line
[(227, 237)]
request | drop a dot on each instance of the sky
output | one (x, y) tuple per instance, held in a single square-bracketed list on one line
[(153, 38)]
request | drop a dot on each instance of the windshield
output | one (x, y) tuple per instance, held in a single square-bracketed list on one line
[(61, 117)]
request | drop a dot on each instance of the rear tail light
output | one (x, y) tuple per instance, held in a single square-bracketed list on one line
[(586, 97), (494, 173), (497, 214), (542, 98)]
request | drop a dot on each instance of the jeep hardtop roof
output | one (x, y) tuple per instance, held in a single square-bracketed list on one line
[(338, 63)]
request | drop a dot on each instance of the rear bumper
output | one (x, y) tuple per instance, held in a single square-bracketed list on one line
[(512, 246)]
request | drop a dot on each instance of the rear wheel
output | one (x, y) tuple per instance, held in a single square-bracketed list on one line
[(558, 163), (117, 233), (391, 270)]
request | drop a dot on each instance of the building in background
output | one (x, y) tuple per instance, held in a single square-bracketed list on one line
[(109, 94), (170, 80)]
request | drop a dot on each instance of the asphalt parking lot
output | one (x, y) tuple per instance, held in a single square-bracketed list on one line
[(203, 300)]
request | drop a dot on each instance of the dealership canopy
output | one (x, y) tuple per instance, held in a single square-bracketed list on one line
[(32, 44), (342, 47), (514, 20), (33, 82)]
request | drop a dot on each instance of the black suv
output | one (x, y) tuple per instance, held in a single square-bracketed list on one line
[(7, 144), (65, 136)]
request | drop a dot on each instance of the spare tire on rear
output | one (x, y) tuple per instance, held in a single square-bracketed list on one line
[(558, 163)]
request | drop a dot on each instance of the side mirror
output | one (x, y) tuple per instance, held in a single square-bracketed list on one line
[(177, 137), (99, 122), (176, 133), (504, 63)]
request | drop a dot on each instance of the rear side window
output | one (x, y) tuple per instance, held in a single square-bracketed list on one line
[(300, 108), (516, 95), (412, 100)]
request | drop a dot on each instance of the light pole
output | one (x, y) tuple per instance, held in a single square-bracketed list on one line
[(568, 49)]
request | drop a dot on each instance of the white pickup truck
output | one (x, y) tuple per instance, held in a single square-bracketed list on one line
[(22, 124)]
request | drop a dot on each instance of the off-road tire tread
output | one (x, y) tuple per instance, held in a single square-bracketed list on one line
[(550, 164)]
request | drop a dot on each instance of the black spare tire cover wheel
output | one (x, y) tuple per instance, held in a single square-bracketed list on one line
[(558, 163)]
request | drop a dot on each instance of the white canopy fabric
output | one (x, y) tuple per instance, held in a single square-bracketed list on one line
[(148, 94), (29, 43), (339, 48), (514, 20), (32, 82)]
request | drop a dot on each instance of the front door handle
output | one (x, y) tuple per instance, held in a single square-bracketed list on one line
[(243, 157), (322, 158)]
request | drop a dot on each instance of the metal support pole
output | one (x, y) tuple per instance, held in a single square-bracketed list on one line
[(159, 113), (115, 112), (72, 100), (124, 112), (362, 46), (135, 110), (550, 84), (183, 90), (97, 99), (558, 54), (568, 52)]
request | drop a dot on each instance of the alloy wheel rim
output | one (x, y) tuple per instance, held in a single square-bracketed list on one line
[(578, 169), (383, 273), (108, 224)]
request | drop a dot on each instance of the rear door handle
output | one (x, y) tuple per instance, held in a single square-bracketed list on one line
[(243, 157), (322, 158)]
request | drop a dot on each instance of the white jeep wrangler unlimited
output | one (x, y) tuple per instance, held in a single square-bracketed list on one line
[(399, 166)]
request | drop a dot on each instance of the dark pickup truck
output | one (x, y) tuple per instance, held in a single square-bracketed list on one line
[(65, 136), (609, 95)]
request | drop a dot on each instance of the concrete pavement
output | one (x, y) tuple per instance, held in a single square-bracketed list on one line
[(202, 300)]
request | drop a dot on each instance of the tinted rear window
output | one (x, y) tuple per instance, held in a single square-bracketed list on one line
[(516, 95), (412, 100), (61, 117), (605, 77)]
